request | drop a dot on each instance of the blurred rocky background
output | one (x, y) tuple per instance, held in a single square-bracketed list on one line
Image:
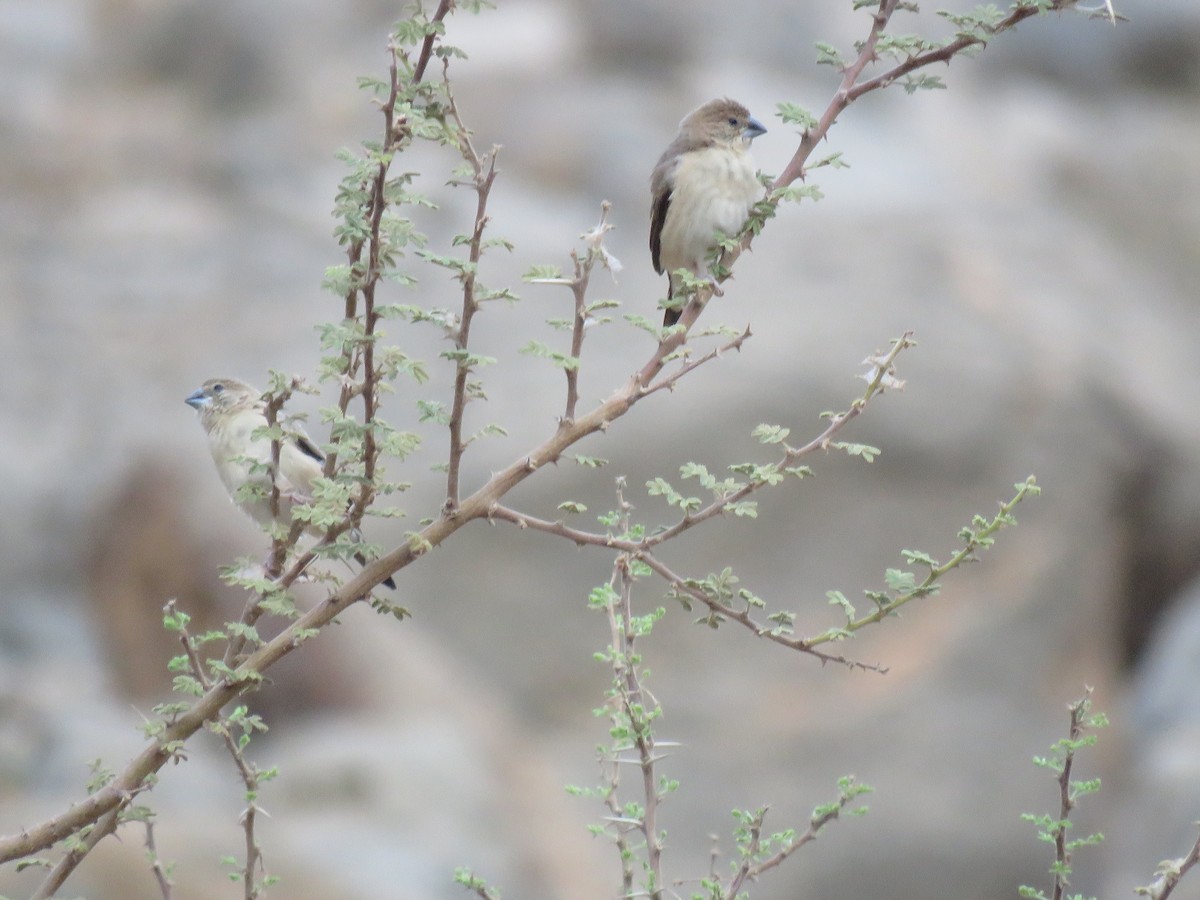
[(168, 170)]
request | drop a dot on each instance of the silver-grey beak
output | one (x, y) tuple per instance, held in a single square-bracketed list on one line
[(197, 399), (754, 128)]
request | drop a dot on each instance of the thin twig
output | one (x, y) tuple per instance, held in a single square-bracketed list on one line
[(634, 712), (637, 711), (156, 866), (484, 177), (742, 616), (443, 9), (610, 761), (1170, 873), (750, 870), (1066, 802)]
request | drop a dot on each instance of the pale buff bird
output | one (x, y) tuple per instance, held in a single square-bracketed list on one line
[(704, 182), (230, 412)]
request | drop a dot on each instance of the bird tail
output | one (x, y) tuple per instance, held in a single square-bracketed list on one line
[(672, 313), (388, 582)]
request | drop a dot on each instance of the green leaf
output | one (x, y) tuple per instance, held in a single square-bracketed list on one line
[(899, 580), (833, 160), (837, 598), (917, 557), (865, 451), (794, 193), (770, 434), (186, 684), (922, 82), (175, 620), (792, 114), (828, 55), (433, 411), (562, 360), (743, 509), (543, 273)]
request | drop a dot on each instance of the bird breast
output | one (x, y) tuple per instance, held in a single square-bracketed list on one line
[(713, 190)]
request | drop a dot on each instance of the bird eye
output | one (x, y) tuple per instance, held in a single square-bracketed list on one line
[(733, 121), (218, 388)]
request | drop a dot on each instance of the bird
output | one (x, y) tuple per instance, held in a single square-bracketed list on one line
[(703, 183), (230, 411)]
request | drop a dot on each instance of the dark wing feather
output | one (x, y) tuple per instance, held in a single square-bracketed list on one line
[(658, 218), (308, 448)]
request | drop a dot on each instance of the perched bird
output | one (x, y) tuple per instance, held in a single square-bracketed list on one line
[(230, 412), (703, 183)]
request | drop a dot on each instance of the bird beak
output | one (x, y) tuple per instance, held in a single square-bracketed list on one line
[(197, 399), (753, 129)]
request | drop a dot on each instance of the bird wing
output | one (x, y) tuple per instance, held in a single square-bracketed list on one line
[(662, 185), (658, 217), (305, 445), (300, 464)]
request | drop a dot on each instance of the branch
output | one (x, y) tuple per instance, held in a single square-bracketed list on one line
[(638, 713), (851, 89), (484, 168), (973, 540), (1053, 829), (443, 9), (1170, 873), (104, 825), (742, 616), (848, 790)]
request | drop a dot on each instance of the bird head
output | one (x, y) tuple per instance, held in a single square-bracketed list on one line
[(220, 396), (722, 121)]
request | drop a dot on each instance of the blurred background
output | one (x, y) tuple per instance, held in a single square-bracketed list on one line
[(164, 218)]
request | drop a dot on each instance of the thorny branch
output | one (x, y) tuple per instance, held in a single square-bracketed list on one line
[(484, 176), (633, 713), (752, 867)]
